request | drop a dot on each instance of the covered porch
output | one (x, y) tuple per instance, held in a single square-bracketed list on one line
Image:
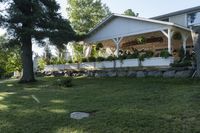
[(123, 34)]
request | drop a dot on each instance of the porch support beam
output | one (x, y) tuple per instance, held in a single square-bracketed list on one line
[(169, 35), (117, 44), (169, 41), (184, 39)]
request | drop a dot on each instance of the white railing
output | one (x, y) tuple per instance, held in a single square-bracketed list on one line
[(157, 61), (148, 62), (87, 65), (105, 64), (127, 63)]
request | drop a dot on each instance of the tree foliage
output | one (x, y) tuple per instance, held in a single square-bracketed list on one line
[(10, 58), (197, 51), (85, 14), (26, 20), (130, 12)]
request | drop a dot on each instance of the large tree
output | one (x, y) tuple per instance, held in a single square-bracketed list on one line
[(28, 20), (197, 50), (130, 12), (85, 14)]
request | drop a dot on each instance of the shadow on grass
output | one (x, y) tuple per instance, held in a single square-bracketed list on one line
[(126, 105)]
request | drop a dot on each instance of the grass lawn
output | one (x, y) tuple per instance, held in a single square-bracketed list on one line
[(122, 105)]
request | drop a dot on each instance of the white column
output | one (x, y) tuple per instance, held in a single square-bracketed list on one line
[(88, 49), (184, 39), (169, 41), (169, 35), (117, 44)]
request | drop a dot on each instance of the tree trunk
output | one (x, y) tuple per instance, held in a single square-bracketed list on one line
[(27, 61), (197, 53)]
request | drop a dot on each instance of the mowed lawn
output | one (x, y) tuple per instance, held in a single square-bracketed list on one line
[(119, 105)]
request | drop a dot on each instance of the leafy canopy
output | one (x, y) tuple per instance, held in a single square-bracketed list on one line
[(10, 58), (85, 14), (130, 12)]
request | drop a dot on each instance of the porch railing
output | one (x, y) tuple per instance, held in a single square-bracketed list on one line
[(148, 62)]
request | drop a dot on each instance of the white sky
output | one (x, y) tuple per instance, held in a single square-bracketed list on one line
[(145, 8)]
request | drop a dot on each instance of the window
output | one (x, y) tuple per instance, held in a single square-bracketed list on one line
[(193, 19)]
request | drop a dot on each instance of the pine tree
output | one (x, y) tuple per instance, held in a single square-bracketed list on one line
[(26, 20)]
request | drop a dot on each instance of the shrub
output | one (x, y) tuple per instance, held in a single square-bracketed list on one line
[(42, 63), (100, 59), (177, 36), (99, 46), (67, 82), (165, 54), (181, 53), (141, 57), (91, 59), (132, 56), (181, 64), (110, 58), (69, 61), (141, 40), (2, 71), (76, 61), (84, 60), (149, 54), (122, 57)]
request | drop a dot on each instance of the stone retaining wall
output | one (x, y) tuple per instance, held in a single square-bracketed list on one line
[(127, 72)]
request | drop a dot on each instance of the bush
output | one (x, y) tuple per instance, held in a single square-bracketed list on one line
[(2, 71), (57, 60), (84, 60), (177, 36), (67, 82), (132, 56), (76, 61), (99, 46), (41, 63), (181, 53), (141, 57), (91, 59), (70, 61), (165, 54), (110, 58), (100, 59), (149, 54), (122, 57), (184, 63), (141, 40)]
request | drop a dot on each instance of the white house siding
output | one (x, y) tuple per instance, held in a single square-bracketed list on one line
[(119, 27), (179, 19)]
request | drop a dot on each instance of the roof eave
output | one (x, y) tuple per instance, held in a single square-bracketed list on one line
[(190, 10)]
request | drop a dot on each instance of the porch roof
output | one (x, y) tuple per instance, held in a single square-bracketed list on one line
[(117, 25)]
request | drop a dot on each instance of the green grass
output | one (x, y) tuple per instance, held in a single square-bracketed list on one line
[(123, 105)]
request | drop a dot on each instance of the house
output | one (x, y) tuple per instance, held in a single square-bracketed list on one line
[(189, 18), (120, 32), (170, 32)]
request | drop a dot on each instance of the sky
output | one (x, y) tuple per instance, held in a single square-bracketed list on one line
[(145, 8)]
